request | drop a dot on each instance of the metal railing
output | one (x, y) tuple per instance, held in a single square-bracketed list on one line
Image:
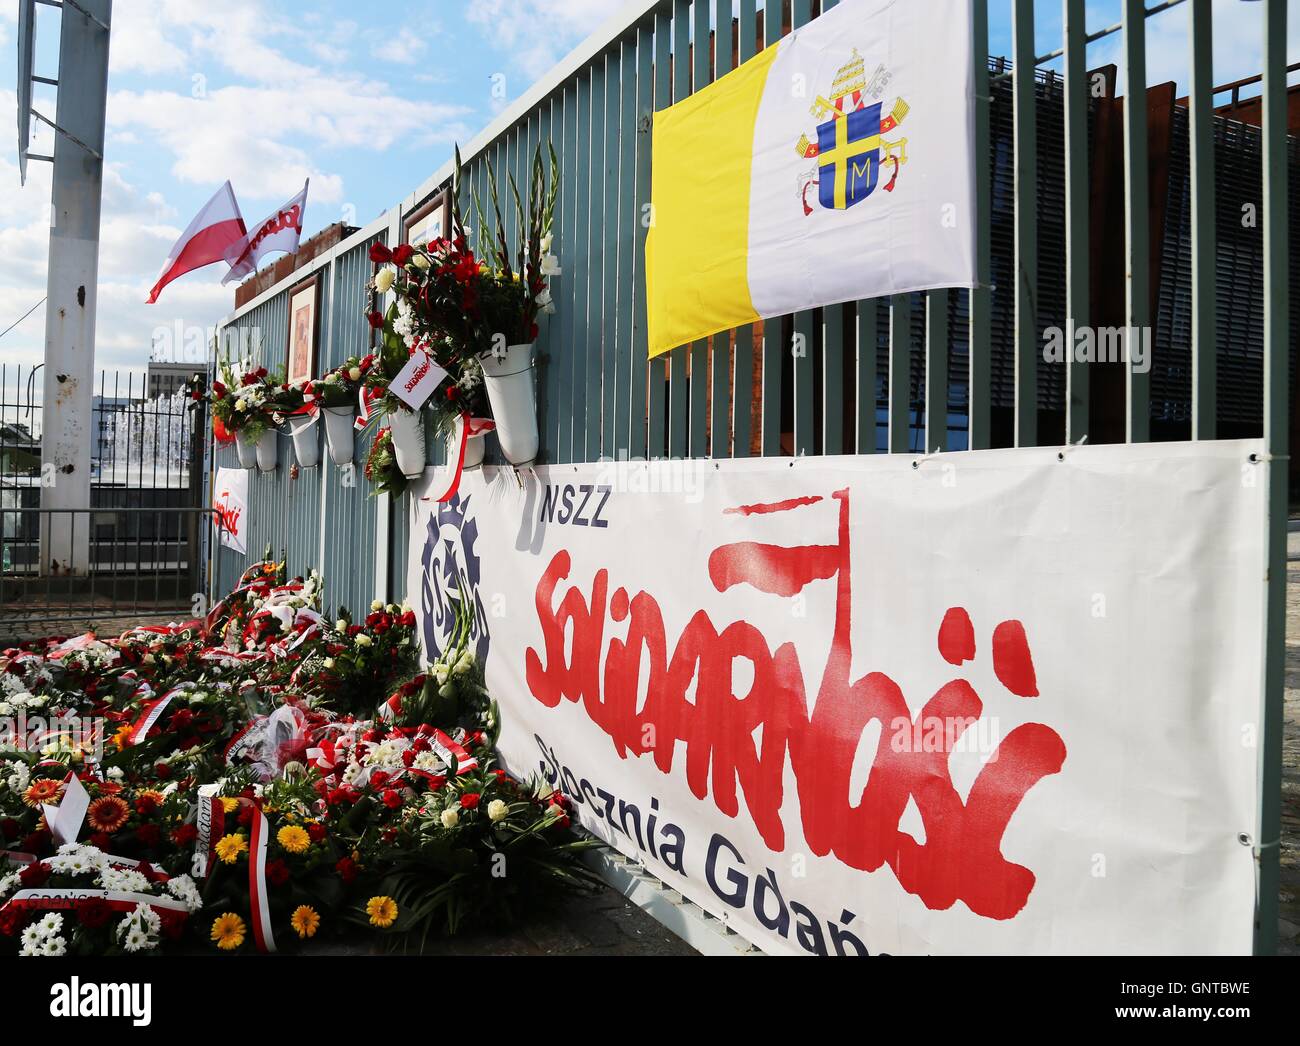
[(902, 365), (148, 564)]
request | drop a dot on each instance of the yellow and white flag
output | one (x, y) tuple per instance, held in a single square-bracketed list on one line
[(833, 166)]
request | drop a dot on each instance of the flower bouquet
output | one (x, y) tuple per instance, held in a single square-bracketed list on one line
[(337, 393), (243, 404)]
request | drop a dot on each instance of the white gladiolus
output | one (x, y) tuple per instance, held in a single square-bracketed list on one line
[(547, 240), (440, 672), (551, 266)]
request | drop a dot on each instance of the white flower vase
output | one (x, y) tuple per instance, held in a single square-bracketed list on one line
[(475, 446), (508, 379), (339, 433), (407, 428), (306, 440), (247, 451), (267, 450)]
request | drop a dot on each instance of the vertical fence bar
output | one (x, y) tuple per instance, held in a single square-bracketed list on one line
[(900, 373), (1137, 306), (627, 225), (742, 385), (804, 342), (832, 363), (936, 371), (1276, 374), (613, 290), (1200, 101), (568, 367), (582, 344), (1076, 217), (658, 372), (865, 343), (642, 367), (979, 352), (595, 222), (678, 361), (1026, 224), (772, 348), (699, 350), (550, 328), (722, 364)]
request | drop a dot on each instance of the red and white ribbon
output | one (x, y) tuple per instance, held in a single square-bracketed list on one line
[(70, 898), (152, 711), (211, 825), (261, 907), (452, 753), (468, 427), (365, 397)]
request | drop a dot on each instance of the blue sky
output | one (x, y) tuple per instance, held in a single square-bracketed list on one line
[(365, 99)]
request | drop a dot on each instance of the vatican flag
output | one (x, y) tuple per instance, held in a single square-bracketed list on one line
[(835, 165)]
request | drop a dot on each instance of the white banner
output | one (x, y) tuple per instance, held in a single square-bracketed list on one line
[(995, 702), (230, 502)]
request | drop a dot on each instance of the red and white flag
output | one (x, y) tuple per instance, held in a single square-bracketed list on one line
[(213, 231), (280, 232)]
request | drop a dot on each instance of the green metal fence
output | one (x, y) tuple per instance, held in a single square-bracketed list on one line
[(875, 375)]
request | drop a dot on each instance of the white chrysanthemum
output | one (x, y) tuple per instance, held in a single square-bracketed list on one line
[(123, 879), (8, 883), (50, 924), (183, 889), (54, 947), (429, 762)]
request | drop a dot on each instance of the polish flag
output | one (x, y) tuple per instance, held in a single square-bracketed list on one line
[(280, 232), (212, 232)]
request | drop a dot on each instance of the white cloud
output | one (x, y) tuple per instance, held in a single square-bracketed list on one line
[(406, 49), (535, 34)]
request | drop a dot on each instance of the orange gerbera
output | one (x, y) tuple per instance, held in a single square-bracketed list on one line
[(43, 791), (108, 813)]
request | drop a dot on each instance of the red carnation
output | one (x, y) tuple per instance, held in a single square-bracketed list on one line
[(317, 832), (93, 912), (347, 869), (9, 921), (392, 799), (34, 875), (261, 372), (277, 872), (148, 834), (102, 840), (379, 254), (185, 834), (469, 800)]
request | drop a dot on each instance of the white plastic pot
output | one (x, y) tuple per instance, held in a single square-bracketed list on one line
[(475, 447), (339, 433), (306, 440), (267, 450), (407, 427), (509, 382), (246, 450)]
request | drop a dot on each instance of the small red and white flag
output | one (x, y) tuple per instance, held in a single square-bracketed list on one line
[(280, 232), (217, 227)]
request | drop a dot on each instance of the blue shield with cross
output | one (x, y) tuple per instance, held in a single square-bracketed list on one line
[(848, 148)]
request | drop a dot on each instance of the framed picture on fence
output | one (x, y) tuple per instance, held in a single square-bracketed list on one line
[(428, 221), (304, 323)]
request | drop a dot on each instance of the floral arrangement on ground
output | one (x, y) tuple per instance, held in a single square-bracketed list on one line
[(259, 779)]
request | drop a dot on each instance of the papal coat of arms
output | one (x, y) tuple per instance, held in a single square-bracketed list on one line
[(850, 146)]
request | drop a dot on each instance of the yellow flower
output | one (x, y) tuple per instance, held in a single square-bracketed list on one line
[(229, 847), (293, 838), (228, 930), (305, 921), (228, 804), (122, 736), (382, 911)]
